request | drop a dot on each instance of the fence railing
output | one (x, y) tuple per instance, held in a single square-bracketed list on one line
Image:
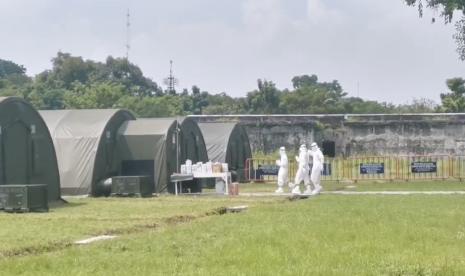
[(418, 167), (457, 167)]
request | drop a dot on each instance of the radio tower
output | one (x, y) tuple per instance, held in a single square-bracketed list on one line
[(128, 35), (171, 81)]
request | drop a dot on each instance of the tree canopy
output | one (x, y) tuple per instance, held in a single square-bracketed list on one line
[(448, 8), (75, 83), (454, 101), (9, 68)]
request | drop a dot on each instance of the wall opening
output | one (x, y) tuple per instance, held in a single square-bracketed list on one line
[(329, 148)]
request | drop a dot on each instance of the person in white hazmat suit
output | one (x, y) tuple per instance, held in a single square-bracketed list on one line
[(283, 164), (317, 169), (302, 171)]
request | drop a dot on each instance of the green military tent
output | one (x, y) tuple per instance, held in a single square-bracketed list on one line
[(27, 155), (150, 147), (192, 142), (227, 143), (85, 143)]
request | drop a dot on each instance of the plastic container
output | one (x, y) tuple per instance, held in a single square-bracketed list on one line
[(234, 189), (188, 166), (220, 187), (217, 168)]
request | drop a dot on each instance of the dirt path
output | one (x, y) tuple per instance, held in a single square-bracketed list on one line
[(364, 193)]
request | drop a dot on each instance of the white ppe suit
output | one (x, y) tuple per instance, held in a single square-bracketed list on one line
[(317, 168), (302, 171), (283, 164)]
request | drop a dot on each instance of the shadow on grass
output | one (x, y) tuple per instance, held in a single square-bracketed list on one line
[(61, 203)]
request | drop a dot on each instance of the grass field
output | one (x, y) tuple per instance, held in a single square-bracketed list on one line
[(81, 218), (324, 235)]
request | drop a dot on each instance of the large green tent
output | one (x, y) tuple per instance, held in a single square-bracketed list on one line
[(85, 143), (227, 143), (192, 142), (150, 147), (27, 155)]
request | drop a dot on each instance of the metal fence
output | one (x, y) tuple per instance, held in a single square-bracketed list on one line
[(457, 167), (418, 167), (424, 167), (369, 168)]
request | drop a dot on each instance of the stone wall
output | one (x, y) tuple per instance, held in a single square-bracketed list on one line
[(425, 134), (383, 134)]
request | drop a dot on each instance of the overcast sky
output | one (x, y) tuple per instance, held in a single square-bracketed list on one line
[(377, 49)]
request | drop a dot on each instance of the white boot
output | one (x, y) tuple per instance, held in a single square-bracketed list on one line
[(296, 190), (291, 186), (279, 190), (317, 190), (308, 191)]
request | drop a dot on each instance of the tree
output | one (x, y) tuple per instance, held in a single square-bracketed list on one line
[(448, 8), (222, 103), (310, 100), (455, 100), (68, 69), (43, 97), (120, 70), (163, 106), (305, 80), (421, 105), (265, 100), (199, 100), (311, 96), (77, 83), (8, 68), (355, 105), (97, 95), (13, 79)]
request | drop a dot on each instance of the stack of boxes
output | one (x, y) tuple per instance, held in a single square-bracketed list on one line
[(203, 168)]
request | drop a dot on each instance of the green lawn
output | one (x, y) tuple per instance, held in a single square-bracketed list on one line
[(324, 235), (82, 218)]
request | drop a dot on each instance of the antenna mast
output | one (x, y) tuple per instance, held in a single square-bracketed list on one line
[(171, 77), (128, 34), (171, 81)]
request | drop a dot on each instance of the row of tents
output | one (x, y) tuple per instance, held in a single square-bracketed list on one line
[(74, 151)]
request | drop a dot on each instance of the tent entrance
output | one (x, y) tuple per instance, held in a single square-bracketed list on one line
[(16, 153), (138, 167)]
